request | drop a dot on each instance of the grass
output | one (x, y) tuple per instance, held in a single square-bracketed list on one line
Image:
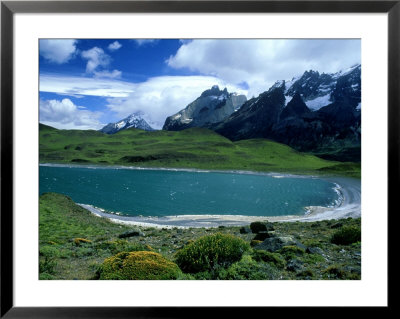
[(192, 148), (74, 244)]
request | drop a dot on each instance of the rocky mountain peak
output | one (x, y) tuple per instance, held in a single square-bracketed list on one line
[(134, 120), (212, 106), (214, 91)]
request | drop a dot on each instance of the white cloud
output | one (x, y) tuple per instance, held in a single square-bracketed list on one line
[(74, 85), (160, 97), (65, 114), (107, 74), (57, 51), (157, 98), (96, 57), (114, 46), (141, 42), (260, 63)]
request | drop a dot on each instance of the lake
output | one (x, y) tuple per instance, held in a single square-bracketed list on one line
[(156, 192)]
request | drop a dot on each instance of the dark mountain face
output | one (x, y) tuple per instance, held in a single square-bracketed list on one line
[(348, 88), (331, 129), (295, 108), (255, 118), (213, 105)]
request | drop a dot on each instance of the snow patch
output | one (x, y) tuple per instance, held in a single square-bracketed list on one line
[(288, 98), (318, 102)]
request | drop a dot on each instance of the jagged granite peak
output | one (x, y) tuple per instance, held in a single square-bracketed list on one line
[(214, 91), (318, 113), (318, 90), (213, 105), (134, 120)]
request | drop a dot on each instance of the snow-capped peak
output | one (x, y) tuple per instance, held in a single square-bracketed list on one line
[(134, 120)]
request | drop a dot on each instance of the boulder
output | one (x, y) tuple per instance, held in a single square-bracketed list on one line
[(257, 227), (314, 250), (131, 233), (262, 235), (245, 230), (275, 243), (294, 265)]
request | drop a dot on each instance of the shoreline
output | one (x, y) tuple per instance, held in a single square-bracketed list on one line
[(348, 188), (350, 206), (198, 170)]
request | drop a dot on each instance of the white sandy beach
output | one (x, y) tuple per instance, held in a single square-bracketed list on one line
[(350, 206)]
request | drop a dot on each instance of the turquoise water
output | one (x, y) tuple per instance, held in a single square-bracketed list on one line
[(165, 193)]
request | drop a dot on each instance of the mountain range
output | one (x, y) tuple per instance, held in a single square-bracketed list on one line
[(316, 113)]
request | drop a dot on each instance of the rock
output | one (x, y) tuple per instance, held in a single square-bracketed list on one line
[(314, 250), (262, 235), (245, 230), (275, 243), (131, 233), (257, 227), (294, 265)]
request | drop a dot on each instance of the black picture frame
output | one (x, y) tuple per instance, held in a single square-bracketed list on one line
[(9, 8)]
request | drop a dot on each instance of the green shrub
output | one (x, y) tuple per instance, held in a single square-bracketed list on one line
[(138, 265), (255, 242), (306, 274), (47, 265), (347, 235), (334, 272), (291, 251), (45, 276), (337, 271), (249, 269), (83, 252), (268, 257), (120, 245), (210, 252), (49, 251), (312, 243)]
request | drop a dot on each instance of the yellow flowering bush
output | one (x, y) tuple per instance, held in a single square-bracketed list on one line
[(138, 265), (79, 241)]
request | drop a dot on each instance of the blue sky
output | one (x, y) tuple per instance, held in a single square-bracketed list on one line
[(87, 83)]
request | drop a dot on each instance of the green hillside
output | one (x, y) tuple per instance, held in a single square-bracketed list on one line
[(192, 148)]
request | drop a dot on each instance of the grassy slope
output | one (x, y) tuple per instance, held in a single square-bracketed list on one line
[(192, 148), (61, 221)]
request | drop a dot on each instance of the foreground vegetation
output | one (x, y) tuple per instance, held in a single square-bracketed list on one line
[(192, 148), (74, 244)]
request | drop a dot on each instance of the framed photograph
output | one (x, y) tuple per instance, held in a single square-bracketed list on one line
[(163, 155)]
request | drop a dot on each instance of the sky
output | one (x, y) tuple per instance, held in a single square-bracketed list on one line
[(88, 83)]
